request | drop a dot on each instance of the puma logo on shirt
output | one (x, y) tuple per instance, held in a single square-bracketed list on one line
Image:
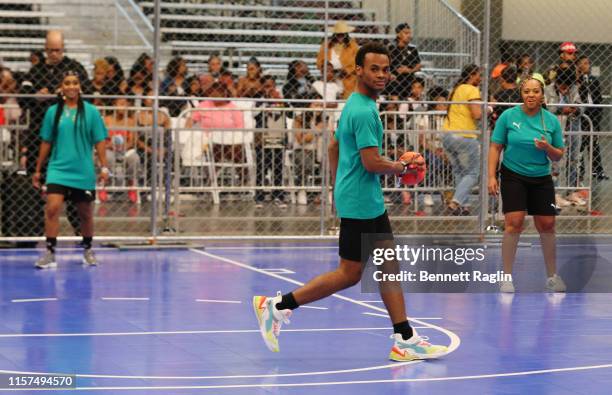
[(517, 124)]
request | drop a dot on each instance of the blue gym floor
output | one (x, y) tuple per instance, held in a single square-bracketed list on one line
[(181, 322)]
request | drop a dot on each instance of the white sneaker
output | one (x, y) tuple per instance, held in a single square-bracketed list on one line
[(89, 258), (279, 203), (417, 347), (428, 200), (506, 287), (270, 319), (302, 198), (561, 202), (47, 261), (555, 284)]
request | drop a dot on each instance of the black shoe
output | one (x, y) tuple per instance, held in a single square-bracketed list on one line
[(601, 176)]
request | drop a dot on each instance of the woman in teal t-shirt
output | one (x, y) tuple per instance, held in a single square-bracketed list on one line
[(530, 137), (71, 129)]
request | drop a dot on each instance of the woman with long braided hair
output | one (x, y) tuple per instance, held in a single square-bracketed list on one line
[(71, 129)]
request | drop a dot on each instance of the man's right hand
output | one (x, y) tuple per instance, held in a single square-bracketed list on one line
[(36, 180)]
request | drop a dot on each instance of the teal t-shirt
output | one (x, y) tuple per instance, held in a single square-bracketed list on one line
[(71, 161), (517, 131), (358, 193)]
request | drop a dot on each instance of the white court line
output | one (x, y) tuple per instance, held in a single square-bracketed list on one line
[(120, 298), (217, 301), (34, 300), (202, 332), (314, 307), (371, 301), (328, 383), (455, 340), (409, 318)]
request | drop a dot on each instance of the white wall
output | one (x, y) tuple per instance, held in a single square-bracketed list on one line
[(558, 20)]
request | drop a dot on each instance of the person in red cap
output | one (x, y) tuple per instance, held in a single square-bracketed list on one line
[(567, 59)]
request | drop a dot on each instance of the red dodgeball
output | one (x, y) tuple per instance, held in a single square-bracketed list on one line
[(416, 172)]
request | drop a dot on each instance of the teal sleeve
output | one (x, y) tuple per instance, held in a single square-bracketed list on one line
[(98, 128), (500, 133), (364, 125), (557, 136), (46, 130)]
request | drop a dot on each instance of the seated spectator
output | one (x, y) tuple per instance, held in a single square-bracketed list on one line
[(99, 80), (298, 83), (508, 93), (331, 84), (146, 61), (194, 91), (175, 84), (215, 66), (341, 51), (115, 76), (227, 78), (138, 83), (36, 57), (9, 85), (227, 145), (120, 147), (250, 85), (565, 91)]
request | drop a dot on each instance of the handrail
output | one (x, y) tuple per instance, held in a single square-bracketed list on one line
[(134, 25), (460, 16)]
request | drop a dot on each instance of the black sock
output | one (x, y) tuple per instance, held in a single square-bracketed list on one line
[(87, 242), (288, 302), (51, 243), (404, 329)]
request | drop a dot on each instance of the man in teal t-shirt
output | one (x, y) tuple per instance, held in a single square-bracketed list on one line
[(358, 192), (516, 131), (356, 162)]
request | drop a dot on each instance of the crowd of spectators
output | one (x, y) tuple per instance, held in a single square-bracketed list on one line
[(452, 158)]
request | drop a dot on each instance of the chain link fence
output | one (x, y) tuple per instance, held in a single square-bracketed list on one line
[(250, 92)]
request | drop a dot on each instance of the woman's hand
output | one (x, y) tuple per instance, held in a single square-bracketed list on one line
[(542, 144), (493, 186)]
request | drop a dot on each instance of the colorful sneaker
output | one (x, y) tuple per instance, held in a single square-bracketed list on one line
[(89, 258), (47, 261), (417, 347), (270, 319), (555, 284)]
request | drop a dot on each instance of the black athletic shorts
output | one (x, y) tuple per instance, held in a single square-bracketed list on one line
[(73, 194), (536, 195), (351, 231)]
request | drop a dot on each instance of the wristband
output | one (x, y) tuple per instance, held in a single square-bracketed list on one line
[(406, 167), (104, 170)]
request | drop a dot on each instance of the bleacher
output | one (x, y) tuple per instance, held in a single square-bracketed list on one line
[(275, 34)]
